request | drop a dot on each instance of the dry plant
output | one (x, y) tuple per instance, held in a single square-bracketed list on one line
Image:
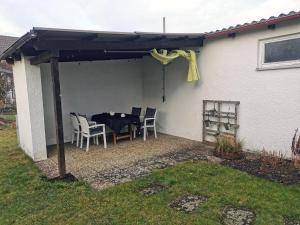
[(273, 159), (296, 149), (227, 144)]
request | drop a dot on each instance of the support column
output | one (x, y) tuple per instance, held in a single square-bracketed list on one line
[(30, 109), (58, 116)]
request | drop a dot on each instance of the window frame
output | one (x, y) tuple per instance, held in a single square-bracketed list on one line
[(261, 65)]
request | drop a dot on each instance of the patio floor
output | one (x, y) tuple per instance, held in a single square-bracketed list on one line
[(124, 161)]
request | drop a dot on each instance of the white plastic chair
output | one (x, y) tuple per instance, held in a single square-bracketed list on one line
[(89, 131), (75, 128), (149, 122)]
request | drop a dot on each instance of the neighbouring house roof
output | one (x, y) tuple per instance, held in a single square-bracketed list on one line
[(263, 23), (83, 45), (6, 42)]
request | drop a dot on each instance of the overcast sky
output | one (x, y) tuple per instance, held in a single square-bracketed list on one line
[(19, 16)]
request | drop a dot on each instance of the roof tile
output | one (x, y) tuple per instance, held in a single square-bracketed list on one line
[(254, 24)]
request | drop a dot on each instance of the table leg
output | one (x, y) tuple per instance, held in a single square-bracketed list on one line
[(114, 138), (130, 132)]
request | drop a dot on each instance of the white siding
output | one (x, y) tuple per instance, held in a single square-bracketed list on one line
[(270, 100), (90, 88)]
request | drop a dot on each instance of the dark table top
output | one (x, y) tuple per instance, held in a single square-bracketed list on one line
[(116, 122)]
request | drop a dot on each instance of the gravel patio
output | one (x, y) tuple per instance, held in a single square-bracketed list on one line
[(124, 161)]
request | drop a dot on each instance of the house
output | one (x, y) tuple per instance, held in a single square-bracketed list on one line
[(6, 73), (256, 64)]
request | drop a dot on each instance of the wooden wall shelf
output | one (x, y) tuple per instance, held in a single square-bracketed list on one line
[(217, 120)]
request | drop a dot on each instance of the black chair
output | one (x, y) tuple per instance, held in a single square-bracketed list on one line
[(136, 111)]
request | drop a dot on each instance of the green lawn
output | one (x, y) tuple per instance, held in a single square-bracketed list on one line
[(25, 198), (8, 117)]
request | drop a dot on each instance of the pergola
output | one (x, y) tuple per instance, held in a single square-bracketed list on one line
[(52, 46)]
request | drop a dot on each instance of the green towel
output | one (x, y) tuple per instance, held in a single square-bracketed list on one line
[(166, 57)]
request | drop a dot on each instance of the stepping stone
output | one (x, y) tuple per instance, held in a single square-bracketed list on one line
[(153, 189), (188, 202), (236, 216), (291, 222), (214, 159)]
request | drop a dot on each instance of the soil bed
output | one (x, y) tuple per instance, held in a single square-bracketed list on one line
[(285, 172)]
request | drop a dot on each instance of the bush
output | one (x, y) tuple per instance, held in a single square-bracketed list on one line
[(296, 149), (273, 159), (228, 147)]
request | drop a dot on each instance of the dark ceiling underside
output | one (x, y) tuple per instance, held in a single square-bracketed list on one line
[(76, 45)]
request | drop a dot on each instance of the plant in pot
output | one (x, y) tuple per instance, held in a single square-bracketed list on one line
[(228, 148), (296, 150)]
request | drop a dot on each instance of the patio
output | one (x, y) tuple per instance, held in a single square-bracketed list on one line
[(124, 161)]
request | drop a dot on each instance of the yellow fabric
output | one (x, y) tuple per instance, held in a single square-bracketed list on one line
[(165, 58)]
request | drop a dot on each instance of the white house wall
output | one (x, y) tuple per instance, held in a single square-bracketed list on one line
[(91, 88), (270, 101), (30, 119)]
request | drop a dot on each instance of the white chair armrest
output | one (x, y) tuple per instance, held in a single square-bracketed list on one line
[(92, 122), (97, 125), (149, 119)]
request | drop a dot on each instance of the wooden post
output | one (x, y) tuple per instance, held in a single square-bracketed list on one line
[(219, 117), (58, 116), (203, 122)]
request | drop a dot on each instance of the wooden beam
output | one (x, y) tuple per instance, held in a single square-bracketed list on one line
[(100, 45), (43, 57), (17, 57), (180, 38), (133, 38), (10, 60), (58, 116), (158, 38), (90, 37)]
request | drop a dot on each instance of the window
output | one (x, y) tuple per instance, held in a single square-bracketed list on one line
[(280, 52)]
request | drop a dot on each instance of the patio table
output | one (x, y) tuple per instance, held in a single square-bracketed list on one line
[(116, 123)]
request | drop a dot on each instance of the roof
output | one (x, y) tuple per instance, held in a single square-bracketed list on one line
[(5, 42), (79, 45), (263, 23)]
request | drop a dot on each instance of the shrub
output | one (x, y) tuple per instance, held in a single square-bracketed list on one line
[(228, 146), (296, 149), (272, 159)]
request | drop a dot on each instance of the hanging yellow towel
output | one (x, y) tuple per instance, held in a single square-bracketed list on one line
[(165, 58)]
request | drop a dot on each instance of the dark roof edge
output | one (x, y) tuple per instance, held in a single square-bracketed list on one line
[(253, 25), (37, 29), (18, 44)]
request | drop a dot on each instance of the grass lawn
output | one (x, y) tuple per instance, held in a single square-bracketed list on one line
[(8, 117), (25, 198)]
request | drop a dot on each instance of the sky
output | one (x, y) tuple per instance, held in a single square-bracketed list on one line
[(195, 16)]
